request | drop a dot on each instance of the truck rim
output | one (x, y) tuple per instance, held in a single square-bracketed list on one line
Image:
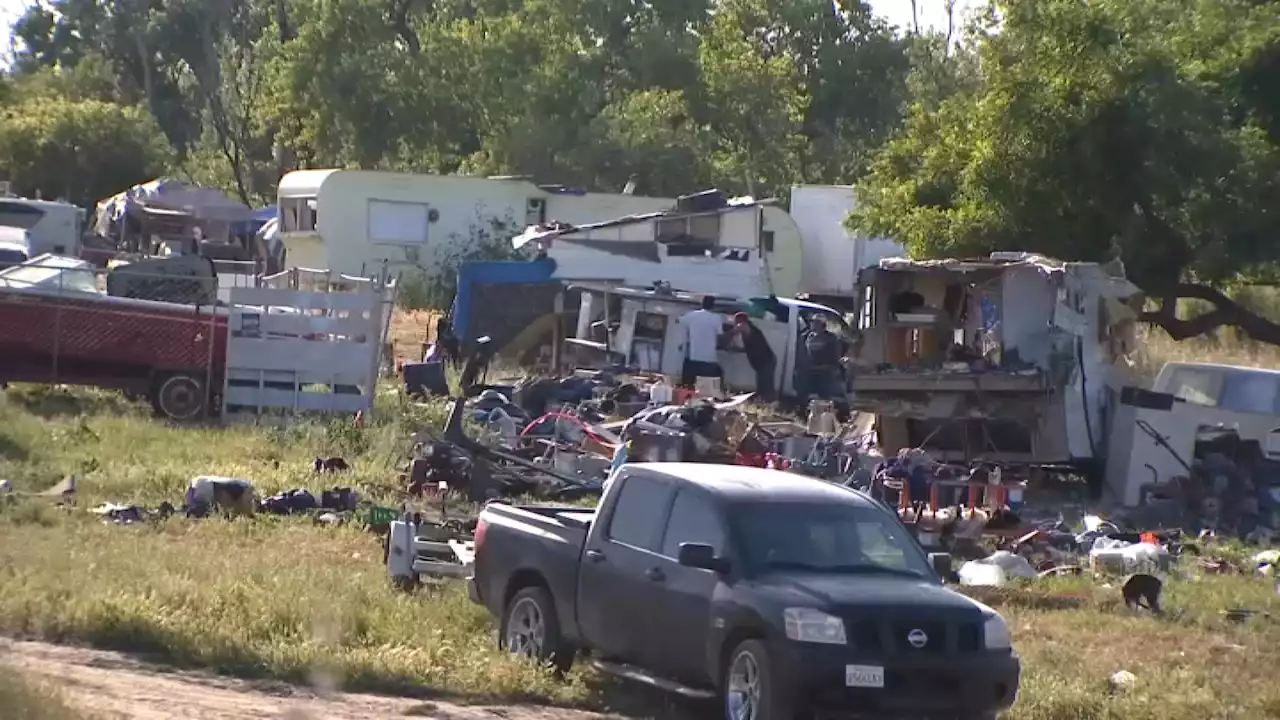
[(743, 697), (525, 629), (180, 397)]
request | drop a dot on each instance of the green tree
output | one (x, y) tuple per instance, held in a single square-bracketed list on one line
[(1138, 129), (79, 150)]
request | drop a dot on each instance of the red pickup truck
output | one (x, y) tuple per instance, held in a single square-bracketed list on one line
[(56, 326)]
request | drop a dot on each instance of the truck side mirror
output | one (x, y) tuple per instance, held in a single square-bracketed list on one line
[(703, 557), (941, 563)]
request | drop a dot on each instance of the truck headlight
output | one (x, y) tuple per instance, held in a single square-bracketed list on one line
[(815, 626), (995, 634)]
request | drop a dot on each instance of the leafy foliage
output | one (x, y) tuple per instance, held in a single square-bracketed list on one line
[(81, 150), (1144, 129), (750, 95)]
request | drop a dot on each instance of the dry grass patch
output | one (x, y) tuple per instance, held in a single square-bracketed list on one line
[(24, 699)]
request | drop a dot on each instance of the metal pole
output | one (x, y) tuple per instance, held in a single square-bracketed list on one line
[(208, 368), (57, 329), (557, 332)]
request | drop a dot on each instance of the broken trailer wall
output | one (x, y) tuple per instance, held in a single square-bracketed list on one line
[(305, 341)]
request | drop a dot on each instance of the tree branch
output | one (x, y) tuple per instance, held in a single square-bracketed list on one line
[(1225, 312)]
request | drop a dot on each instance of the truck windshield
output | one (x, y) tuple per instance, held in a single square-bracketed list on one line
[(826, 538)]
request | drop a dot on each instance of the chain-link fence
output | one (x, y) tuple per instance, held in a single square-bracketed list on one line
[(152, 329)]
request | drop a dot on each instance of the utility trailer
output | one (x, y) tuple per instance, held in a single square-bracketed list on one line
[(411, 555)]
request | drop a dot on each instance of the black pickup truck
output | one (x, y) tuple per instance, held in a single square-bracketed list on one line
[(780, 595)]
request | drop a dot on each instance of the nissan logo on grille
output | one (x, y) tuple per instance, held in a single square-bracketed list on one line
[(917, 638)]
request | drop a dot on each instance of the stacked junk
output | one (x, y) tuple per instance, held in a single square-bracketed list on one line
[(558, 439)]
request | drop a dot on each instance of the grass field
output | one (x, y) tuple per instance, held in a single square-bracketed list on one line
[(285, 599)]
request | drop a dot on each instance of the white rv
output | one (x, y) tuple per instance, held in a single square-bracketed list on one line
[(352, 220), (706, 243), (52, 227), (833, 256)]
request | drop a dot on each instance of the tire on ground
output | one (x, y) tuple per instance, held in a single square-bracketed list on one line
[(771, 704), (553, 648)]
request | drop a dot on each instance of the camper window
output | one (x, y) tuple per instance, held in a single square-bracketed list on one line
[(1249, 392), (693, 229), (1199, 387), (19, 215), (297, 214), (398, 223)]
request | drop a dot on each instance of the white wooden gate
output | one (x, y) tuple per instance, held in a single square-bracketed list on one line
[(305, 341)]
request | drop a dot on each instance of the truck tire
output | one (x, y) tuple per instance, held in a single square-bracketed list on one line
[(749, 690), (530, 628), (181, 397)]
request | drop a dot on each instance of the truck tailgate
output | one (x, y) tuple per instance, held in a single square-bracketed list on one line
[(532, 539)]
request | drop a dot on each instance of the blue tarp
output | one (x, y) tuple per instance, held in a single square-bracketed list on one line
[(497, 272), (257, 218)]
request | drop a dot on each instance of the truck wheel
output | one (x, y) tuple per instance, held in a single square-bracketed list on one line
[(179, 397), (530, 628), (749, 692)]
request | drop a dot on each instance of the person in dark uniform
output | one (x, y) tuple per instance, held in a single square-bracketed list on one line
[(825, 374), (759, 354)]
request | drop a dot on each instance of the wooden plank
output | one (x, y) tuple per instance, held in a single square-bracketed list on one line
[(302, 325), (307, 300), (305, 377), (301, 355), (268, 398)]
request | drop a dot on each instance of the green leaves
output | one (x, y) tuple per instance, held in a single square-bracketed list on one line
[(81, 150), (1143, 128), (749, 95)]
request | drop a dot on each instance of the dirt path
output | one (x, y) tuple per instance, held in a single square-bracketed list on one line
[(113, 685)]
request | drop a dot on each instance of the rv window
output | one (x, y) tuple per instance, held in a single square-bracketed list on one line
[(867, 318), (766, 241), (398, 223), (700, 229), (19, 215), (298, 214), (1199, 387), (1249, 392), (705, 228)]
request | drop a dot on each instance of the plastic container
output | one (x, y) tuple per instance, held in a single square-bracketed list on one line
[(660, 393)]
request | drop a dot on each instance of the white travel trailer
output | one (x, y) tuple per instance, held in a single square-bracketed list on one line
[(52, 227), (833, 256), (706, 243), (352, 220)]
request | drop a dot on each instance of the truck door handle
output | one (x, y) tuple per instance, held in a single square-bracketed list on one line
[(655, 574), (595, 555)]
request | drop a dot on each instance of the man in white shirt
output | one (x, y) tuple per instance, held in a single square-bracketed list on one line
[(703, 329)]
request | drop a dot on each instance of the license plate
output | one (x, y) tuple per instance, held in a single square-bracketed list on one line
[(864, 676)]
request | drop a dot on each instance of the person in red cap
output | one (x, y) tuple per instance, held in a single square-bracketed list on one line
[(759, 354)]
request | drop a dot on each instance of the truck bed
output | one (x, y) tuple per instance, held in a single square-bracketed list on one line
[(520, 539)]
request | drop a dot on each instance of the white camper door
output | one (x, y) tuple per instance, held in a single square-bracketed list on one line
[(398, 231)]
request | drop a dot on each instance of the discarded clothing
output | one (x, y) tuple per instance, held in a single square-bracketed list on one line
[(207, 492)]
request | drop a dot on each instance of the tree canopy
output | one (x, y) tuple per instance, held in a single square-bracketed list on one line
[(749, 95), (1147, 130)]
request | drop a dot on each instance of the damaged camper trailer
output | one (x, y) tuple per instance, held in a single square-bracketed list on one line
[(1014, 358)]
